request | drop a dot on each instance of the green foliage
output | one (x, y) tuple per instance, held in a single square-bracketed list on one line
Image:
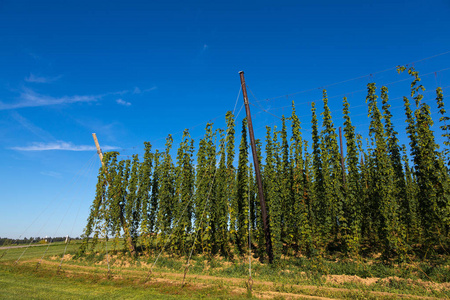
[(271, 190), (94, 215), (285, 188), (299, 217), (431, 174), (220, 211), (154, 194), (144, 190), (318, 206), (184, 191), (166, 193), (240, 202), (395, 157), (390, 230), (333, 197), (205, 188), (445, 127), (353, 199), (384, 198)]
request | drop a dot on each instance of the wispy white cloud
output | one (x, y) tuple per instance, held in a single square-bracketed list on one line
[(117, 93), (28, 125), (136, 90), (109, 131), (202, 51), (150, 89), (60, 146), (29, 98), (123, 102), (40, 79), (51, 174)]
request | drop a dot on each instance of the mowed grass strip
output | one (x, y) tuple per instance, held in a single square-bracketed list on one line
[(24, 281), (15, 285), (92, 283), (211, 279), (37, 250)]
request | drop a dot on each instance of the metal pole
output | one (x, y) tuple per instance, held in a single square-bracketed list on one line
[(257, 173)]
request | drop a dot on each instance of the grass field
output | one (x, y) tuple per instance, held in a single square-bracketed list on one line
[(37, 276)]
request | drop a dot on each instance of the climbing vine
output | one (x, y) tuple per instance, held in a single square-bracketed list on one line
[(384, 198)]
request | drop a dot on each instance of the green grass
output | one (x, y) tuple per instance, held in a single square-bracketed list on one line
[(24, 281), (15, 285), (86, 277), (37, 251)]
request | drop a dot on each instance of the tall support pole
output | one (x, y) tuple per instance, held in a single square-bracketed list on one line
[(342, 154), (131, 245), (99, 150), (262, 201)]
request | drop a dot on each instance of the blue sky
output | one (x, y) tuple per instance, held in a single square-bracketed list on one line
[(137, 71)]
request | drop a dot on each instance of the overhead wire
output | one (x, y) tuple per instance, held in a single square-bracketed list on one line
[(352, 79), (266, 111), (304, 91), (69, 235), (390, 99), (255, 104), (192, 196), (48, 205), (259, 106), (189, 128), (343, 95), (396, 119), (72, 183), (59, 204), (87, 171), (206, 203), (352, 92)]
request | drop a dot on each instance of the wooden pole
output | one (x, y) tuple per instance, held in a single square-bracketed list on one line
[(262, 201), (99, 150), (122, 219)]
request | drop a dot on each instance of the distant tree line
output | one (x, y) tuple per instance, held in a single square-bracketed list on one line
[(386, 198), (8, 241)]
